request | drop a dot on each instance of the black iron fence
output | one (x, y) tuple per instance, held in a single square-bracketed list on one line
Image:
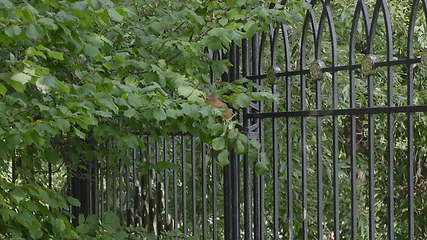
[(345, 141)]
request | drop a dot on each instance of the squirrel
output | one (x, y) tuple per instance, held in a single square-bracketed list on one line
[(215, 102)]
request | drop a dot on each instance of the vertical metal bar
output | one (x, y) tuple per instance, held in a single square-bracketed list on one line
[(158, 204), (148, 157), (50, 175), (227, 201), (143, 184), (235, 196), (288, 108), (128, 211), (246, 167), (204, 186), (95, 192), (390, 121), (166, 183), (319, 164), (308, 19), (113, 176), (234, 171), (175, 184), (14, 168), (107, 177), (410, 123), (135, 192), (360, 8), (184, 185), (261, 140), (101, 184), (193, 184), (257, 220), (120, 179), (275, 143), (214, 197)]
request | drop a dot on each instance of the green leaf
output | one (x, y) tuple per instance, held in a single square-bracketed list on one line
[(135, 100), (162, 165), (114, 15), (83, 228), (104, 114), (91, 50), (13, 30), (73, 202), (223, 158), (63, 125), (240, 147), (241, 100), (56, 55), (79, 133), (18, 195), (32, 32), (111, 220), (262, 167), (130, 113), (108, 102), (159, 114), (6, 4), (157, 27), (49, 23), (21, 78), (218, 143), (185, 91), (255, 144), (58, 225), (46, 82), (3, 89), (80, 5)]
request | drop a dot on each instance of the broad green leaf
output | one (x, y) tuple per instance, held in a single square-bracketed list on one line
[(83, 228), (91, 50), (157, 27), (112, 220), (241, 100), (263, 166), (79, 133), (32, 32), (162, 165), (52, 156), (56, 55), (35, 231), (13, 30), (3, 90), (185, 91), (223, 158), (73, 202), (18, 195), (49, 23), (159, 114), (135, 100), (46, 82), (58, 225), (114, 15), (240, 147), (80, 5), (63, 125), (218, 143), (108, 102), (104, 114), (6, 4), (21, 78)]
